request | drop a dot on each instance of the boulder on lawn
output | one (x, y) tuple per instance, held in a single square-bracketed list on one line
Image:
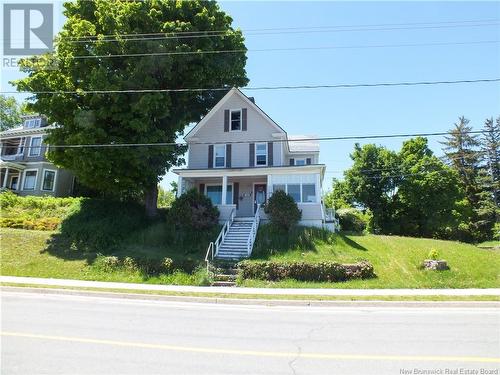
[(436, 265)]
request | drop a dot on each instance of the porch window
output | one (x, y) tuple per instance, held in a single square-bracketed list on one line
[(49, 178), (277, 187), (220, 156), (294, 191), (236, 120), (308, 193), (214, 192), (35, 148), (30, 180), (261, 154)]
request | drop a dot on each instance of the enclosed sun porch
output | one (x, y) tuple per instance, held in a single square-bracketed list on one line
[(244, 190)]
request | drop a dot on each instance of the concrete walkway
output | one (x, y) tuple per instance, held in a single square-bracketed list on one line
[(259, 291)]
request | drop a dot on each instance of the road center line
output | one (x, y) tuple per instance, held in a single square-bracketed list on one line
[(330, 356)]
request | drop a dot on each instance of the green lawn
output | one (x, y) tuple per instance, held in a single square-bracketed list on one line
[(25, 253), (395, 259)]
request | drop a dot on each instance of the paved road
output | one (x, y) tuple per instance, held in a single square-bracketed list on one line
[(61, 334)]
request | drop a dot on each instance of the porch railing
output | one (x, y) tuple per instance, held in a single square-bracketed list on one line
[(253, 231), (213, 247)]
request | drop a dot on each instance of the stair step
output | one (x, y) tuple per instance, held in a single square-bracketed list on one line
[(223, 283), (224, 277)]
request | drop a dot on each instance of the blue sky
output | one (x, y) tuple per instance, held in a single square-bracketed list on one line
[(361, 111)]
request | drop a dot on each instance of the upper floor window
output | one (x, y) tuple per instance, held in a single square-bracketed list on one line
[(220, 156), (235, 119), (35, 146), (32, 123), (300, 161), (261, 154)]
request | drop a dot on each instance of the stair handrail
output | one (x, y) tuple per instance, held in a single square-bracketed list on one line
[(213, 247), (253, 231), (223, 232)]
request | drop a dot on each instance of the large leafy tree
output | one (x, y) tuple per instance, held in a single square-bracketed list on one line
[(372, 180), (427, 192), (104, 27), (10, 112)]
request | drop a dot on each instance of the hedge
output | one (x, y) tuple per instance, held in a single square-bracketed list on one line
[(322, 271)]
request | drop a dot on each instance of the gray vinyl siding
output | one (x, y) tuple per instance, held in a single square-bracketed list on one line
[(258, 128)]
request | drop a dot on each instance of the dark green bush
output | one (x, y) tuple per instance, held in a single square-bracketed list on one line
[(282, 210), (194, 211), (302, 271), (354, 220)]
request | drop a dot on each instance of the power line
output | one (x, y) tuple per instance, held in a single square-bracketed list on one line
[(170, 144), (244, 50), (281, 28), (261, 33), (298, 87)]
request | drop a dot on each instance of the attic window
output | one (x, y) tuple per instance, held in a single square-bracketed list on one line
[(236, 120), (32, 123)]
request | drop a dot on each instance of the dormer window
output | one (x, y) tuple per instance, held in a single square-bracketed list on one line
[(235, 119), (32, 123)]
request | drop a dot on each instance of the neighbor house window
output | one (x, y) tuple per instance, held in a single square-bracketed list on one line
[(236, 119), (35, 148), (29, 180), (261, 154), (300, 161), (214, 192), (49, 178), (308, 193), (32, 123), (220, 156)]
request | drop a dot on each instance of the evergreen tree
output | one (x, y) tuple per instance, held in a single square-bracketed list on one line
[(490, 145)]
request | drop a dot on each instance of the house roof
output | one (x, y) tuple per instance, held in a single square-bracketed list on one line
[(250, 102), (21, 131), (311, 144)]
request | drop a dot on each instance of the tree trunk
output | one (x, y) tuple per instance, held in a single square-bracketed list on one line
[(151, 201)]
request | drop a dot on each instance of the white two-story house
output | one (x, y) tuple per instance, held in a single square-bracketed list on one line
[(24, 168), (238, 156)]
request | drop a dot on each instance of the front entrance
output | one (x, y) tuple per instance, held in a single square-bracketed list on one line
[(259, 192), (14, 181)]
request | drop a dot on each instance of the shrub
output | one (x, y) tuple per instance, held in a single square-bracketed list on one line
[(433, 254), (354, 220), (282, 210), (302, 271), (194, 211), (147, 266)]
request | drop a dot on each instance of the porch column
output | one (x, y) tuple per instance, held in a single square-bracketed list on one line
[(318, 188), (5, 178), (179, 186), (224, 189), (269, 186)]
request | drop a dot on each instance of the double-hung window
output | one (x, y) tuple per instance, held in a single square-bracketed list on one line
[(236, 120), (35, 146), (220, 156), (29, 180), (49, 178), (261, 154)]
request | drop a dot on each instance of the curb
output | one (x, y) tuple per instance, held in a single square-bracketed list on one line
[(254, 302)]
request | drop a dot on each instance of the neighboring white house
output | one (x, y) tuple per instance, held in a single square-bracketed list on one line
[(238, 156)]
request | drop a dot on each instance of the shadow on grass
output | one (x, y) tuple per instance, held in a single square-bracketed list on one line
[(104, 227), (274, 242)]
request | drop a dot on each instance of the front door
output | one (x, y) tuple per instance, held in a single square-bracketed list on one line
[(259, 192), (14, 180)]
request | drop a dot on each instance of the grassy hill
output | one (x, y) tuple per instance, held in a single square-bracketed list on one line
[(395, 259)]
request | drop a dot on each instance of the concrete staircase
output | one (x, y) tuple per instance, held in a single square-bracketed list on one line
[(234, 245)]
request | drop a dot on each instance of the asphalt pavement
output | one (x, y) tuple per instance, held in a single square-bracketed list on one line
[(67, 334)]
